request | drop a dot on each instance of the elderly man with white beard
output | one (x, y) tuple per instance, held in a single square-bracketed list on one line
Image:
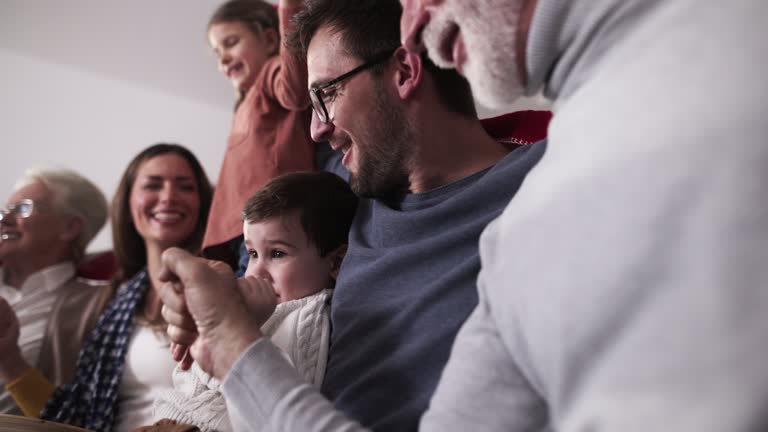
[(624, 288)]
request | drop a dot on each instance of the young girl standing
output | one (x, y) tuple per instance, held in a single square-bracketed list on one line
[(270, 130)]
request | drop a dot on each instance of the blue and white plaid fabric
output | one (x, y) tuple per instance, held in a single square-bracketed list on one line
[(90, 401)]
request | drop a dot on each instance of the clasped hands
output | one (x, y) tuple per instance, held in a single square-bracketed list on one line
[(212, 316)]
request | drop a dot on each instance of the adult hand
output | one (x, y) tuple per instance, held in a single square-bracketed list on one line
[(12, 363), (204, 309), (260, 298)]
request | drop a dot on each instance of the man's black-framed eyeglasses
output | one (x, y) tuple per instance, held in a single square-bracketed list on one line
[(317, 93)]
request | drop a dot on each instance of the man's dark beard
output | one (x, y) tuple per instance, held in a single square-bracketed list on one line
[(383, 162)]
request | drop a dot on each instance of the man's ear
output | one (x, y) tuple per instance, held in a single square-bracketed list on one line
[(335, 258), (72, 229), (409, 74)]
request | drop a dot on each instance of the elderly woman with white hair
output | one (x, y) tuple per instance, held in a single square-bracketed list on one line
[(45, 228)]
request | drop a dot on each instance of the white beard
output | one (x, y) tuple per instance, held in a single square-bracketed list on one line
[(489, 30)]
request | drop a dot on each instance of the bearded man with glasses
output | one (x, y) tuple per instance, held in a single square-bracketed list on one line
[(45, 311)]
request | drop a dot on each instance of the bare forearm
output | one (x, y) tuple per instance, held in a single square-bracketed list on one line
[(289, 85)]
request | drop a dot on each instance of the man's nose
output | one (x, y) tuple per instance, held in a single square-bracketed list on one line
[(320, 131)]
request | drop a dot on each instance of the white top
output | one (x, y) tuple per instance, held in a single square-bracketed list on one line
[(148, 369), (33, 304)]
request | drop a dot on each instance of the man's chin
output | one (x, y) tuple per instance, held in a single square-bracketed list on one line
[(359, 188)]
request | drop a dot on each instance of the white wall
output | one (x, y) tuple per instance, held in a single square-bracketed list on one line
[(57, 115)]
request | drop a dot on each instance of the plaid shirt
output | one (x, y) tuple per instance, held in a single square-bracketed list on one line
[(90, 401)]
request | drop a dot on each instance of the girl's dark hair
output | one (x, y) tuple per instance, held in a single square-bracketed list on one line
[(129, 248), (257, 15), (325, 203)]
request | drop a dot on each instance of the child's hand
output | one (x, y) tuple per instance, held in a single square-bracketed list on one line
[(181, 354), (259, 296)]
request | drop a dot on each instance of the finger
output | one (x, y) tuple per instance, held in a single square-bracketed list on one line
[(189, 270), (256, 293), (187, 360), (200, 353), (177, 348), (178, 319), (179, 351), (179, 264), (252, 284), (172, 295), (219, 267), (180, 335), (172, 259), (246, 285)]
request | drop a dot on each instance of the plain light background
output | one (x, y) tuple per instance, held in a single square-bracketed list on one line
[(87, 84)]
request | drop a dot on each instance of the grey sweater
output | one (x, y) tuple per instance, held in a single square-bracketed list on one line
[(637, 297), (407, 284)]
